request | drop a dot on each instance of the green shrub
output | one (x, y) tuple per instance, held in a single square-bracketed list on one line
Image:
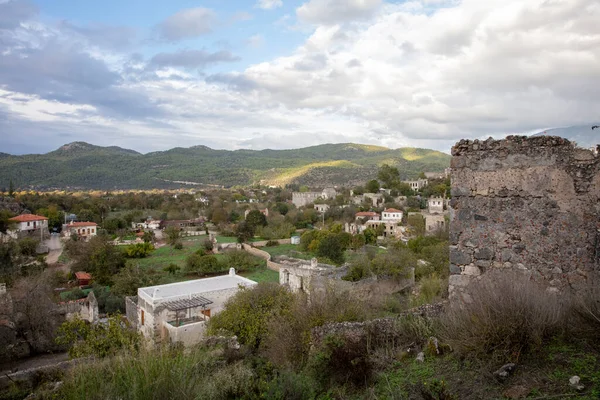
[(247, 314), (202, 265), (242, 260), (139, 250)]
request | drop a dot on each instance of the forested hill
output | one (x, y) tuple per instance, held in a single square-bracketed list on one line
[(81, 165)]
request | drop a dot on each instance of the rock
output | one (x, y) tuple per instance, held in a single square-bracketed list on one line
[(516, 392), (575, 383), (472, 270), (459, 257), (455, 269), (421, 357), (505, 371), (484, 253)]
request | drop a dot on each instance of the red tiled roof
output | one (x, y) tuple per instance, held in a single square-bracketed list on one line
[(367, 214), (28, 218), (82, 275), (80, 224), (392, 210)]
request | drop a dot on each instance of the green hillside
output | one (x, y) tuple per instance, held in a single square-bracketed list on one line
[(81, 165)]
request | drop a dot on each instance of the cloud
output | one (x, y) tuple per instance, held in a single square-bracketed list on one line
[(104, 36), (192, 58), (12, 13), (330, 12), (256, 41), (269, 4), (186, 24)]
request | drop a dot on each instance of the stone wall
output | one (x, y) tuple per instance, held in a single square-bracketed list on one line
[(524, 203), (131, 310)]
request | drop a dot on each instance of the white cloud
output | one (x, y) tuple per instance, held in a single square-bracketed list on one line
[(336, 11), (269, 4), (405, 74)]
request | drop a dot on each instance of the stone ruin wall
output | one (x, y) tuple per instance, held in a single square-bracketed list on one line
[(527, 204)]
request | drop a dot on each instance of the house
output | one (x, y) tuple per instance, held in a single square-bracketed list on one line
[(178, 312), (300, 199), (391, 215), (322, 208), (181, 223), (417, 185), (28, 223), (369, 215), (435, 205), (434, 223), (84, 230), (83, 278)]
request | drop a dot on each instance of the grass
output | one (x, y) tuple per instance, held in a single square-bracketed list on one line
[(262, 275), (290, 250), (226, 239)]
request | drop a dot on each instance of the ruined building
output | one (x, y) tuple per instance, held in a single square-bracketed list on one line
[(528, 204)]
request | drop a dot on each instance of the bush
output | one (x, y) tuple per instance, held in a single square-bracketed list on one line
[(202, 265), (207, 244), (242, 260), (341, 360), (586, 307), (396, 263), (139, 250), (289, 336), (247, 314), (27, 246), (272, 243), (505, 315), (178, 246)]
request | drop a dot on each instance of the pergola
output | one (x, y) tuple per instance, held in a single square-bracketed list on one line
[(186, 304)]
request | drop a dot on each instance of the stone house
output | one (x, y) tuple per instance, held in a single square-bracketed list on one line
[(314, 278), (178, 312), (435, 205), (322, 208), (84, 230), (417, 185), (369, 215), (301, 199), (391, 215)]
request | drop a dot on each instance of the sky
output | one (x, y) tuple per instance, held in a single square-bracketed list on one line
[(151, 75)]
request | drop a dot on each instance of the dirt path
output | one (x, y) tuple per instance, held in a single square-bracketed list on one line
[(52, 257), (32, 362)]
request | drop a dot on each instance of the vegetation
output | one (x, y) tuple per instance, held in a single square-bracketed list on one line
[(93, 167)]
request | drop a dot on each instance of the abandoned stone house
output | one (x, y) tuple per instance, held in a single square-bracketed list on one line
[(529, 204), (301, 199), (314, 278), (178, 312)]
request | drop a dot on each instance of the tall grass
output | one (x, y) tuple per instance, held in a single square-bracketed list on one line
[(161, 374), (507, 315)]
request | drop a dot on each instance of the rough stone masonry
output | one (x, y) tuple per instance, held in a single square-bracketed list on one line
[(524, 203)]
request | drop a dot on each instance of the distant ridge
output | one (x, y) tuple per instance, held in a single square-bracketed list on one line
[(583, 135), (80, 165)]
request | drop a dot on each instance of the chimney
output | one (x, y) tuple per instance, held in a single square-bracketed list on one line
[(231, 271)]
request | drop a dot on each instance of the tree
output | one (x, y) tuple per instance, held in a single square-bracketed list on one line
[(244, 231), (248, 313), (256, 218), (100, 258), (417, 224), (390, 176), (372, 186), (5, 224), (11, 189), (332, 248), (396, 263), (370, 236), (202, 265), (173, 235), (99, 340), (148, 237)]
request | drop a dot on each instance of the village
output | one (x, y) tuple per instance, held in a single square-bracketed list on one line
[(195, 264)]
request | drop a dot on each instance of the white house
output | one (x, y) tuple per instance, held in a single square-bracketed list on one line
[(322, 207), (178, 312), (29, 224), (391, 215), (369, 215), (84, 230), (435, 205)]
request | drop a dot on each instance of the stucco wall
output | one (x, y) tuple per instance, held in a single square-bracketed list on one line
[(529, 204)]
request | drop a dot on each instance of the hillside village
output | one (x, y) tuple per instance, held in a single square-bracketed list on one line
[(252, 273)]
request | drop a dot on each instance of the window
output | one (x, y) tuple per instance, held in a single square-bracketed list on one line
[(93, 230), (28, 223), (143, 317)]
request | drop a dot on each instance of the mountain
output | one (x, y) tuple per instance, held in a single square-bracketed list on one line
[(583, 135), (80, 165)]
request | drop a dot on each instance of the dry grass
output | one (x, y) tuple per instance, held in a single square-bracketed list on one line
[(507, 315)]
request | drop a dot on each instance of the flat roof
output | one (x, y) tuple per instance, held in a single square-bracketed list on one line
[(198, 286)]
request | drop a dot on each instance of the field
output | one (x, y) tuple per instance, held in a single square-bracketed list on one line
[(289, 250)]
